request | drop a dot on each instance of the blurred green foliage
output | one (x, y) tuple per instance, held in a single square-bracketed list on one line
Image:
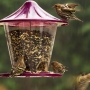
[(71, 48)]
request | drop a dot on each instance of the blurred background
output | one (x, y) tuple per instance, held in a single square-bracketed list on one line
[(72, 48)]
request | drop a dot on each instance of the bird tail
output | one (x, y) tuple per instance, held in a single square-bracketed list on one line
[(75, 18)]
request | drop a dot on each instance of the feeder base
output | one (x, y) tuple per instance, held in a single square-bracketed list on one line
[(29, 74)]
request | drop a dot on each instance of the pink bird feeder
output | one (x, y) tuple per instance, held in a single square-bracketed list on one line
[(30, 33)]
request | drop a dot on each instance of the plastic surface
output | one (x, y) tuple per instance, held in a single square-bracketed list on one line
[(31, 11), (28, 74), (30, 48), (31, 17)]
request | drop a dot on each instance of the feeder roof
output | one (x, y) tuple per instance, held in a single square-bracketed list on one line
[(29, 11)]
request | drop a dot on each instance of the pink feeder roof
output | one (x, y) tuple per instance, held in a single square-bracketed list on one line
[(30, 10)]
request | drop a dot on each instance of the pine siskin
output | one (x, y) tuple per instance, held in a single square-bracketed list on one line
[(66, 11), (18, 67), (43, 66), (82, 82), (58, 67)]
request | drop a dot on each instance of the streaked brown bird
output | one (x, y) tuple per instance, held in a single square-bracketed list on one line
[(43, 66), (66, 11), (58, 67), (18, 67), (82, 82)]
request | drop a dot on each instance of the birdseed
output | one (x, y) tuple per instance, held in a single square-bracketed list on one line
[(35, 47)]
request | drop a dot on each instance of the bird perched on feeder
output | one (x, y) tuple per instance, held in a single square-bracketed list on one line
[(43, 66), (82, 82), (18, 67), (58, 67), (66, 11)]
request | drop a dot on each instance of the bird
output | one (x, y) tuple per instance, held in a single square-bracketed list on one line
[(18, 67), (66, 11), (82, 82), (43, 66), (58, 67)]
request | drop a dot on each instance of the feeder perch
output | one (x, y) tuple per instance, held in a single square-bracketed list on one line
[(30, 33)]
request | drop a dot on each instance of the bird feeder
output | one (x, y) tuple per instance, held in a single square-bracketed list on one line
[(30, 33)]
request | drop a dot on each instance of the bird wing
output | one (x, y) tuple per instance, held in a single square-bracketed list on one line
[(72, 5), (82, 82), (69, 10), (82, 85)]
